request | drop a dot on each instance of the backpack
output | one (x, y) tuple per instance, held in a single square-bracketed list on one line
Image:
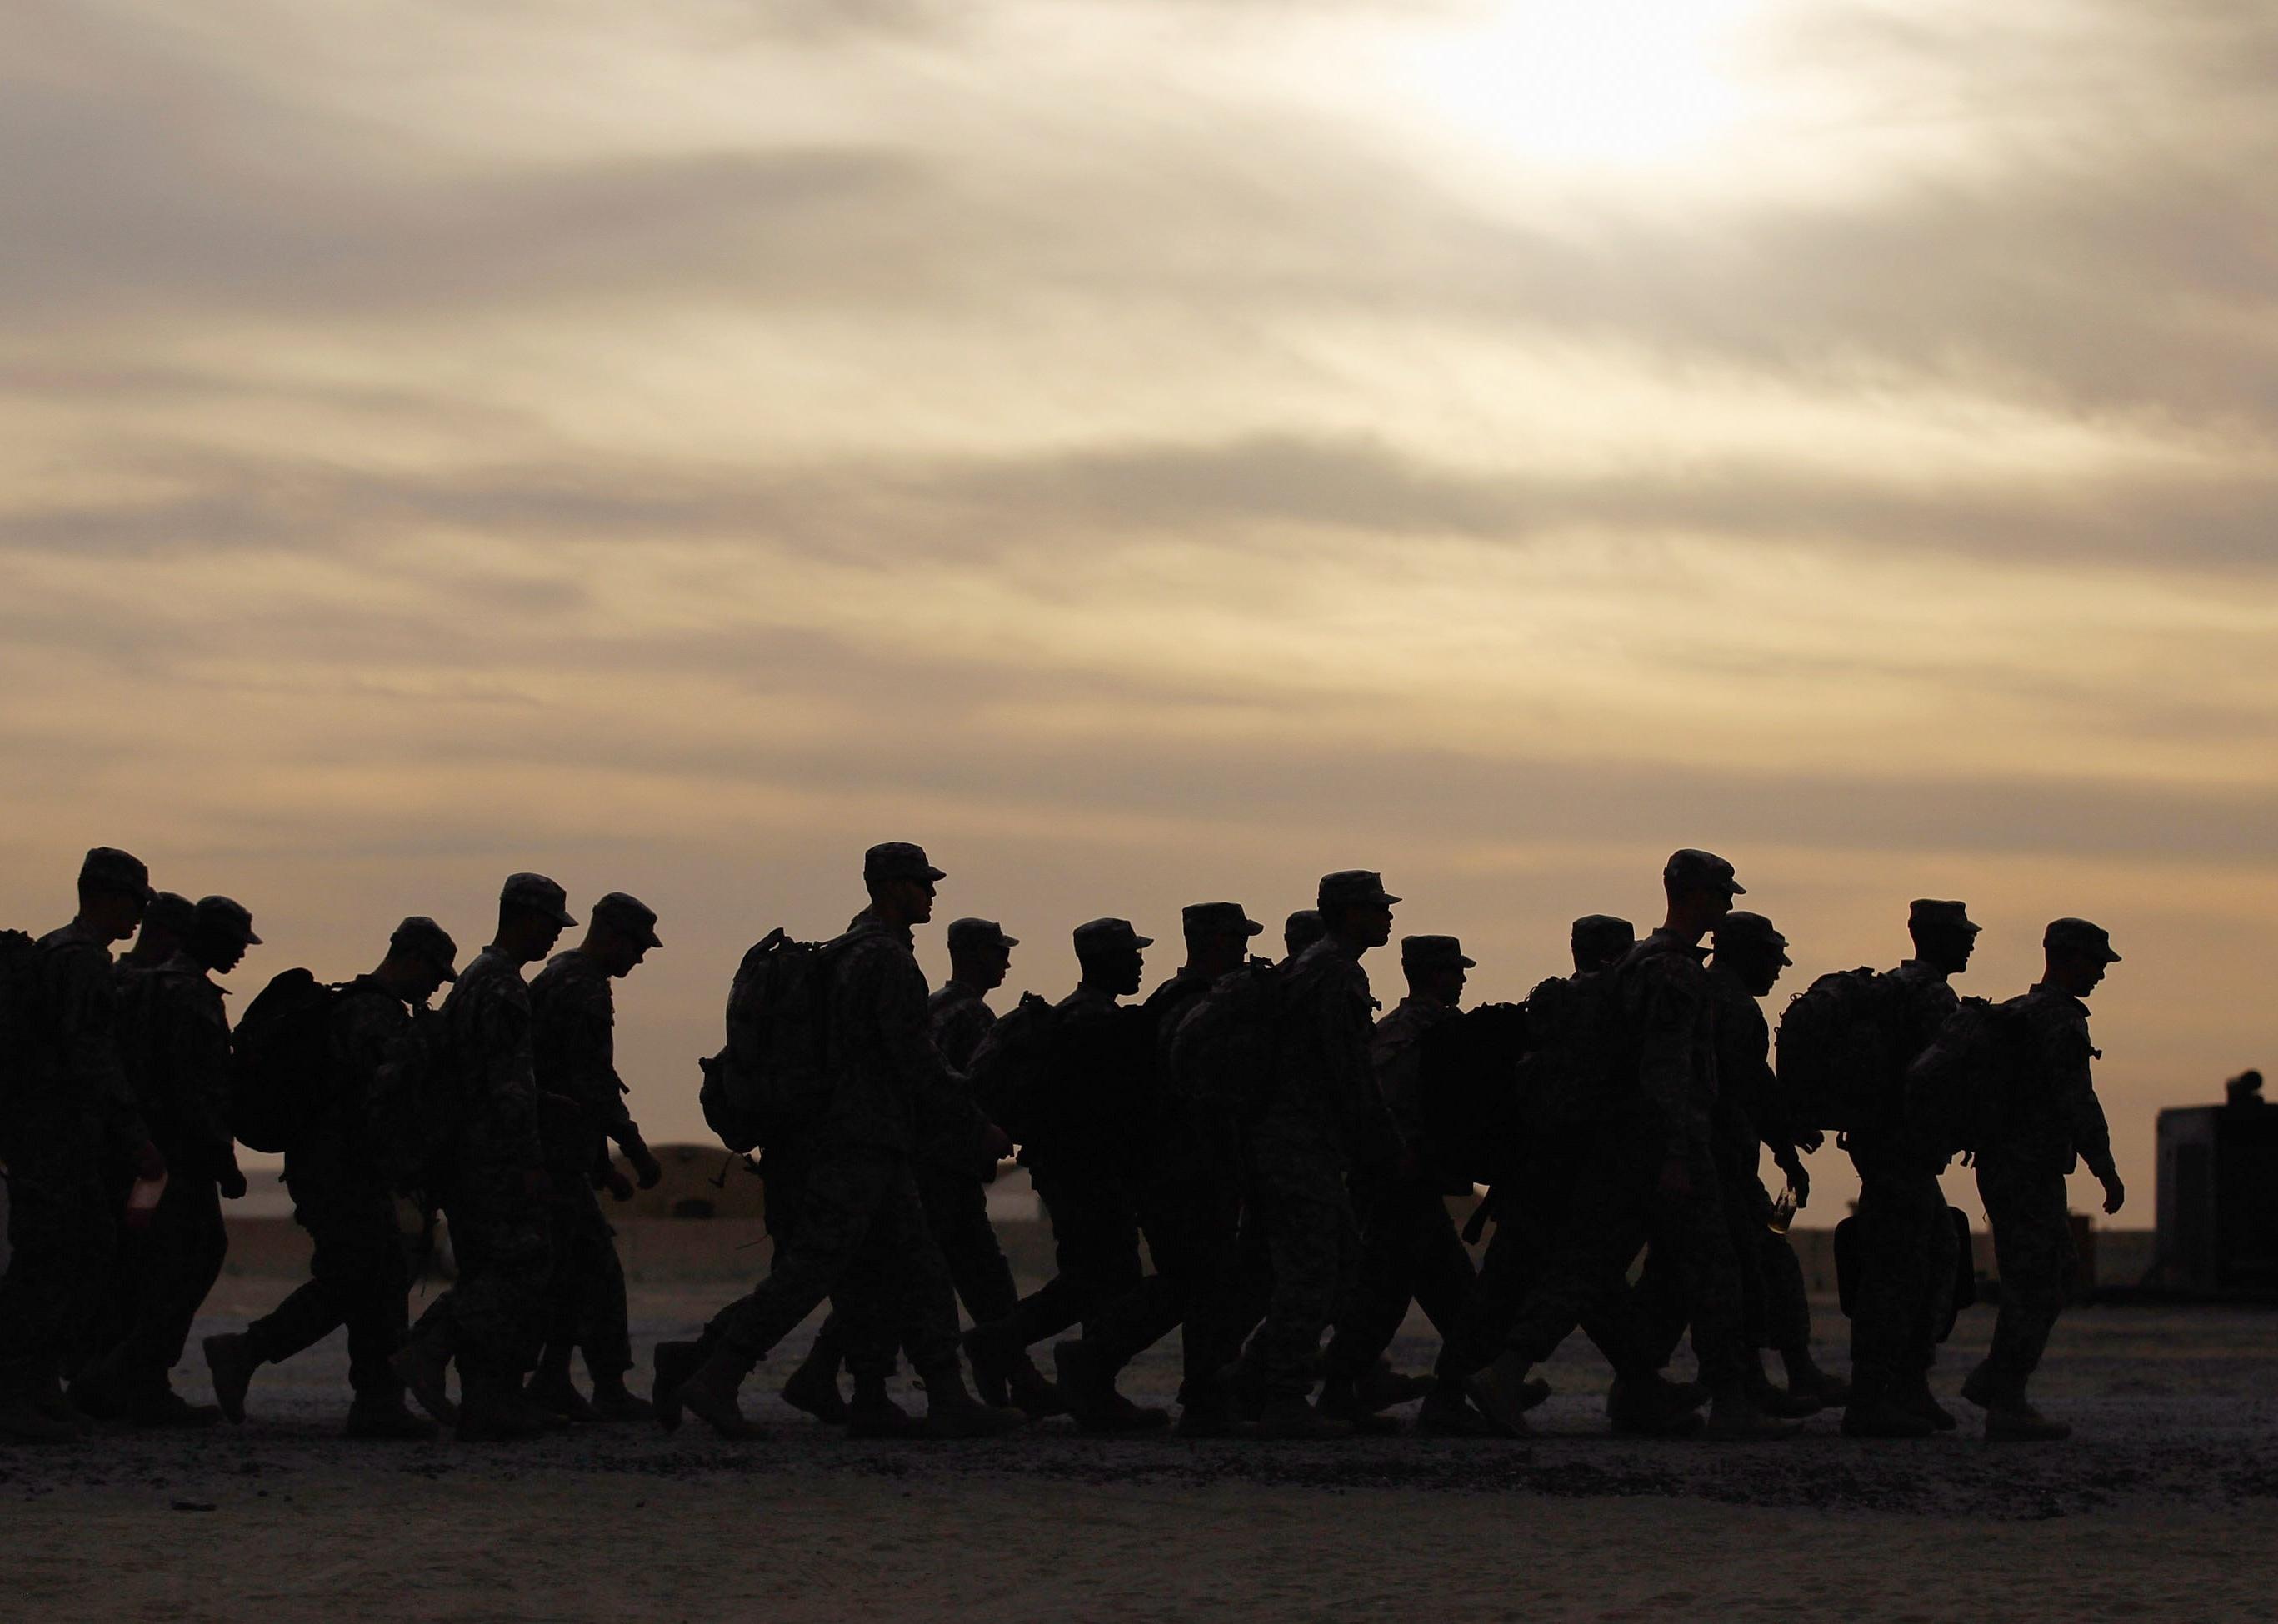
[(1838, 1064), (1009, 1065), (280, 1052), (1961, 1090), (417, 1106), (1578, 1053), (1223, 1055), (773, 1076), (17, 953), (1475, 1131)]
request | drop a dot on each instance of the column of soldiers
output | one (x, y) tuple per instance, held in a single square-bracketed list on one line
[(1291, 1221)]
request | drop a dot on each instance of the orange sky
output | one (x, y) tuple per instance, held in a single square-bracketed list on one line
[(1153, 453)]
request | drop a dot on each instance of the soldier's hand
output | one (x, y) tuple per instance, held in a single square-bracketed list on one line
[(620, 1187), (232, 1181), (1800, 1181), (646, 1168), (149, 1164), (1676, 1177), (2116, 1193), (996, 1143)]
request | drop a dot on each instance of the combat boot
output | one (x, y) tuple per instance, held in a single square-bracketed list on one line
[(2013, 1421), (1032, 1392), (1288, 1418), (1341, 1400), (1772, 1401), (50, 1398), (1504, 1393), (493, 1411), (1733, 1418), (425, 1370), (1985, 1390), (672, 1363), (612, 1401), (813, 1388), (1089, 1391), (387, 1419), (994, 1351), (1914, 1396), (1874, 1412), (1207, 1415), (1446, 1413), (1652, 1406), (99, 1391), (230, 1359), (1383, 1388), (952, 1412), (1804, 1376), (873, 1414), (710, 1391), (23, 1421), (553, 1391), (157, 1405)]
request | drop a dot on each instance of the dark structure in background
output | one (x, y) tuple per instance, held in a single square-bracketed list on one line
[(2218, 1206)]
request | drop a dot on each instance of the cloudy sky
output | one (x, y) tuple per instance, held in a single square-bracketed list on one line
[(1150, 453)]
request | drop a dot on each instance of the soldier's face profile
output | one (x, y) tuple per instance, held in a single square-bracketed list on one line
[(1375, 921)]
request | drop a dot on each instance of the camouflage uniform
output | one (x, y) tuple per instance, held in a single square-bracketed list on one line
[(2056, 1124), (358, 1273), (1410, 1249), (574, 1040), (842, 1202), (1906, 1249), (494, 1318), (183, 1073), (69, 1113), (1326, 1117)]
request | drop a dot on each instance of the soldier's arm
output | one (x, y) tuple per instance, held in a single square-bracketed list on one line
[(86, 1003), (1670, 1006), (1351, 1033), (206, 1080), (2065, 1058)]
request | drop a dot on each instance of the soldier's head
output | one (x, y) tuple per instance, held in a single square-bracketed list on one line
[(2077, 954), (980, 953), (221, 929), (1112, 955), (167, 925), (901, 882), (621, 931), (1356, 909), (114, 889), (1945, 934), (1436, 969), (1599, 941), (421, 957), (1218, 936), (1701, 887), (1751, 946), (533, 912), (1302, 929)]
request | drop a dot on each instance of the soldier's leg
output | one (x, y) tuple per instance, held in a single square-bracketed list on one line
[(957, 1211), (1440, 1266), (499, 1307), (1311, 1239), (1901, 1216), (1369, 1315), (1787, 1305), (1691, 1227), (60, 1239), (605, 1335), (1094, 1245), (839, 1200), (188, 1244), (2033, 1250), (1664, 1302)]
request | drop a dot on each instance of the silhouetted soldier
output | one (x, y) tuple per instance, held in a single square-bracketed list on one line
[(358, 1276), (1085, 1154), (167, 925), (1775, 1312), (1410, 1249), (1600, 942), (170, 1266), (1905, 1245), (67, 1113), (494, 1185), (1300, 931), (1325, 1117), (2056, 1123), (574, 1038), (854, 1227), (957, 1149)]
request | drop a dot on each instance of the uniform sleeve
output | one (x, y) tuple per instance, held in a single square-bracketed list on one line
[(589, 1054), (2065, 1056), (1349, 1031), (86, 1005), (1670, 1006), (202, 1055)]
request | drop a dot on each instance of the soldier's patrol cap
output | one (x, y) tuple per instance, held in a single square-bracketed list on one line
[(1213, 918), (1926, 914), (1305, 923), (2079, 936), (172, 912), (1354, 888), (1694, 871), (964, 935), (621, 911), (1738, 932), (225, 916), (1434, 953), (1595, 930), (538, 893), (431, 941), (899, 859), (1098, 936), (108, 869)]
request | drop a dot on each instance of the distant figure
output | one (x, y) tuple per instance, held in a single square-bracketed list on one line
[(1324, 1118), (1599, 942), (2244, 1090), (494, 1186), (1300, 931), (2058, 1123), (1906, 1254), (574, 1037), (185, 1077), (842, 1198), (357, 1274), (68, 1113)]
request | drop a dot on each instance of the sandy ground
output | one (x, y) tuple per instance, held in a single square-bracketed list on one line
[(2161, 1507)]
